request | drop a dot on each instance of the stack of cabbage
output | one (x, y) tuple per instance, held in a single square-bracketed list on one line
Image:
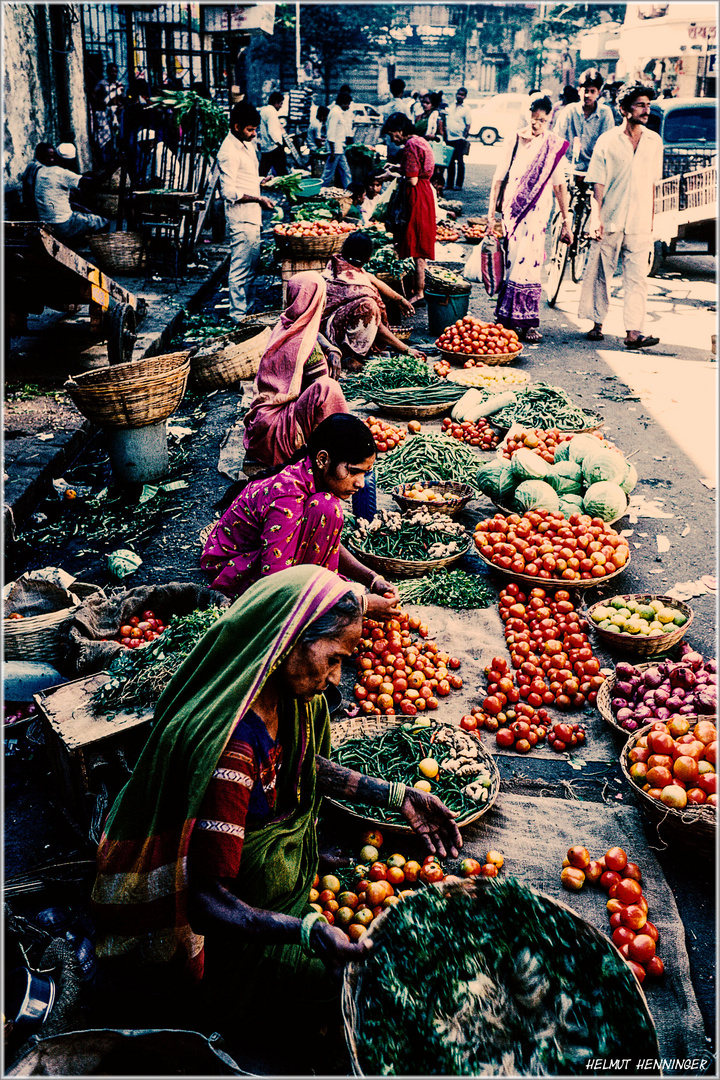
[(588, 476)]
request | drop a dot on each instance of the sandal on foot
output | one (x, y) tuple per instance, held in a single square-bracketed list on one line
[(641, 342), (595, 335), (533, 335)]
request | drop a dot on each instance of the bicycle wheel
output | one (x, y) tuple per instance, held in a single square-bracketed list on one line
[(581, 245), (557, 261)]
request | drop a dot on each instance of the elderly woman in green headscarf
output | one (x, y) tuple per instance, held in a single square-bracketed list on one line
[(209, 853)]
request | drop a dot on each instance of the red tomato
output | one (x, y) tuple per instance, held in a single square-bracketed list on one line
[(622, 936), (642, 948), (654, 966), (377, 872), (628, 891), (616, 859), (468, 723), (470, 867)]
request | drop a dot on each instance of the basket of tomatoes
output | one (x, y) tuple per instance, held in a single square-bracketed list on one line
[(542, 547), (473, 432), (311, 239), (470, 340)]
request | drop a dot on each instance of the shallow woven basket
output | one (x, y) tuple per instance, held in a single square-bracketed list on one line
[(640, 644), (452, 237), (602, 702), (438, 285), (464, 492), (471, 239), (367, 727), (596, 421), (404, 333), (227, 365), (118, 252), (695, 830), (552, 583), (132, 395), (310, 247), (40, 636), (414, 412), (463, 376), (352, 997), (461, 358), (405, 567)]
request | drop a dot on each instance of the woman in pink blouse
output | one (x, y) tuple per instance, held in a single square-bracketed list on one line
[(295, 516)]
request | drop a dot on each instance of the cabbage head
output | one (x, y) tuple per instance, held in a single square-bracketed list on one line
[(605, 500), (607, 465), (630, 480), (571, 504), (527, 465), (535, 495), (582, 446), (496, 480), (562, 451), (565, 477)]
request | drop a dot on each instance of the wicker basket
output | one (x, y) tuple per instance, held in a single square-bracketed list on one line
[(404, 333), (640, 644), (310, 247), (464, 376), (216, 368), (461, 358), (694, 829), (132, 395), (438, 285), (514, 510), (552, 583), (464, 492), (118, 252), (404, 568), (40, 636), (353, 988), (603, 699), (451, 236), (367, 727), (471, 239), (344, 201), (415, 412)]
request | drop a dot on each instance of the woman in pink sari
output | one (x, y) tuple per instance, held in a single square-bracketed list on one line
[(295, 516), (294, 390), (355, 317), (531, 170)]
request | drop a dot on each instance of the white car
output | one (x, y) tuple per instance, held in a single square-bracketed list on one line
[(499, 117)]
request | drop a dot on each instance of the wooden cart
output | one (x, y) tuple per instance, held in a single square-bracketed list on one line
[(40, 272)]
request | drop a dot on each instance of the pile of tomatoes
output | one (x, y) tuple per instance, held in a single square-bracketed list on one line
[(314, 228), (385, 435), (137, 630), (494, 861), (549, 649), (476, 433), (675, 764), (470, 335), (544, 544), (473, 232), (446, 234), (442, 368), (396, 671), (378, 885), (633, 935)]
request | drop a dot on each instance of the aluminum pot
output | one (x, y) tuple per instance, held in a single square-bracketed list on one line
[(29, 998)]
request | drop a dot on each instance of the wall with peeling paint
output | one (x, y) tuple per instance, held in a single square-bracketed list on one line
[(43, 85)]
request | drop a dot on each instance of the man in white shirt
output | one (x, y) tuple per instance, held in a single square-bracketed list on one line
[(316, 137), (397, 104), (625, 166), (53, 185), (270, 137), (458, 119), (585, 120), (339, 126), (240, 188)]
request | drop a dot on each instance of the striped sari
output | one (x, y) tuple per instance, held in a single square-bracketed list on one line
[(140, 897)]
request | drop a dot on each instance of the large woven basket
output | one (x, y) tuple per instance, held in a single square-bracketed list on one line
[(603, 700), (443, 487), (695, 830), (40, 636), (216, 367), (118, 252), (310, 247), (405, 567), (354, 988), (552, 583), (132, 395), (640, 644), (439, 285), (462, 358), (367, 727)]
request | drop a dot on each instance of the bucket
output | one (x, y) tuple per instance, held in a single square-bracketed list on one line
[(139, 455), (444, 309)]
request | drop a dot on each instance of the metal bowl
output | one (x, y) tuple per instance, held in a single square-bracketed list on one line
[(29, 998)]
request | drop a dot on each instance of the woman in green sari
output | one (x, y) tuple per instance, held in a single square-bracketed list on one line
[(210, 850)]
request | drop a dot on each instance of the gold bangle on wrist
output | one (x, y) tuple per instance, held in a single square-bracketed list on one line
[(306, 929)]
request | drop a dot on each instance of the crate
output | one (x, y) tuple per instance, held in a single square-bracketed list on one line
[(290, 267), (87, 751)]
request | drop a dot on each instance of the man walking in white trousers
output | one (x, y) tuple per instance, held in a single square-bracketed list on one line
[(625, 166), (240, 188)]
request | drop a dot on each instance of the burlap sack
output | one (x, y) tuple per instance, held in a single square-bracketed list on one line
[(86, 651)]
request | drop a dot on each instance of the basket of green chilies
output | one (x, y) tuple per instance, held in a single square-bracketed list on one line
[(408, 545), (487, 978), (393, 746)]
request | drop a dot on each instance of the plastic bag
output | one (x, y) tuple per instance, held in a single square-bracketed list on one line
[(473, 267)]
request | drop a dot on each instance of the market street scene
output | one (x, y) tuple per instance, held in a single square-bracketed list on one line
[(360, 539)]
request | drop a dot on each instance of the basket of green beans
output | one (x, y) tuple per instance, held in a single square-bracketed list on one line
[(408, 545)]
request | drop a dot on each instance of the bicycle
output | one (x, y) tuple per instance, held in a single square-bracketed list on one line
[(578, 251)]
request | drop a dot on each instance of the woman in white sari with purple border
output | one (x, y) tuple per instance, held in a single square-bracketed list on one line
[(532, 168)]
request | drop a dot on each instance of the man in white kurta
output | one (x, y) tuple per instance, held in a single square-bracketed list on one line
[(624, 168), (240, 188), (339, 129)]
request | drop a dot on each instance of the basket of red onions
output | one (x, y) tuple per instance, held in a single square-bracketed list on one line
[(642, 693)]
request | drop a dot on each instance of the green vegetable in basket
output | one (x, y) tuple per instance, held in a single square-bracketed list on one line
[(454, 589), (535, 495), (496, 480), (416, 537), (526, 465), (544, 406), (605, 500), (427, 457), (608, 465), (488, 979)]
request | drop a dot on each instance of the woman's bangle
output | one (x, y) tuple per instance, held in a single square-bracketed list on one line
[(396, 796), (373, 581), (306, 929)]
